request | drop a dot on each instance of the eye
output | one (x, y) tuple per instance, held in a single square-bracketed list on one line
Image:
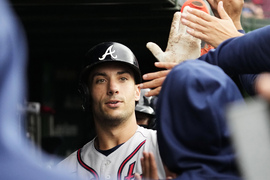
[(123, 79), (98, 81)]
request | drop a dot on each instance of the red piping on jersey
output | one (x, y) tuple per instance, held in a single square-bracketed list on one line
[(127, 159), (91, 170)]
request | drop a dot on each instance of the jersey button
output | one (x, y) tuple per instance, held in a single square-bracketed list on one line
[(107, 162), (108, 177)]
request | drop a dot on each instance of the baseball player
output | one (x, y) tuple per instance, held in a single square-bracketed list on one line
[(108, 83)]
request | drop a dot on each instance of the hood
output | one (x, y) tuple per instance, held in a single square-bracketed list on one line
[(13, 58), (193, 136), (18, 159)]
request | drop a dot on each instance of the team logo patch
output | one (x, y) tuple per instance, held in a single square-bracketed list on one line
[(110, 52)]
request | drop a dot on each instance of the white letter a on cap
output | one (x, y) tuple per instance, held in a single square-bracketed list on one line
[(108, 52)]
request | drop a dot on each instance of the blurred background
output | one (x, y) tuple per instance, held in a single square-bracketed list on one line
[(60, 32)]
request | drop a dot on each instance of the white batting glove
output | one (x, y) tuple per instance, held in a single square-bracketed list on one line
[(181, 45)]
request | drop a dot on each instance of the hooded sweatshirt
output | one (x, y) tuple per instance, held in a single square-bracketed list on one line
[(17, 160), (193, 136)]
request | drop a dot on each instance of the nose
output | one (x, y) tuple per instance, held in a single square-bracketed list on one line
[(112, 88)]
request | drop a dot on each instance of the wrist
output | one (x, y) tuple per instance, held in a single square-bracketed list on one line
[(238, 25)]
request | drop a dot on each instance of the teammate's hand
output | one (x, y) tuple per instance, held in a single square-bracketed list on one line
[(262, 85), (232, 7), (149, 166), (181, 45), (209, 28), (155, 79), (137, 176)]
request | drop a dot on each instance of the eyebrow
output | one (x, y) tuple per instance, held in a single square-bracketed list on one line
[(104, 74), (99, 74), (124, 72)]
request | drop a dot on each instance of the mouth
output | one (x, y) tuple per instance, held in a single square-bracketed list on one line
[(113, 103)]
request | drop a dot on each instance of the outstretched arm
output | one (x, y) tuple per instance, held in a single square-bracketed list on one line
[(248, 54)]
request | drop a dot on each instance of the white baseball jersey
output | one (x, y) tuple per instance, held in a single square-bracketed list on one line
[(88, 163)]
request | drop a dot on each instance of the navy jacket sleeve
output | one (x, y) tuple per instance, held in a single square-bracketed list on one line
[(245, 56), (248, 54), (248, 83)]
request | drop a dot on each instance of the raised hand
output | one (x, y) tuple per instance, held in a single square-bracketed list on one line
[(149, 167), (209, 28), (181, 45)]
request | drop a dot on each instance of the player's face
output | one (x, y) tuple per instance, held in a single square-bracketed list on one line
[(114, 93)]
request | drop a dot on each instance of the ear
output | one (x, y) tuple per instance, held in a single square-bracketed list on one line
[(137, 92)]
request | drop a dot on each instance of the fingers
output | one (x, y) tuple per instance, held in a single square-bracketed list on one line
[(183, 28), (153, 166), (165, 65), (156, 81), (154, 84), (137, 176), (198, 16), (145, 166), (194, 29), (197, 34), (196, 21), (149, 166), (154, 92), (156, 75), (200, 25), (221, 11), (155, 50), (175, 24)]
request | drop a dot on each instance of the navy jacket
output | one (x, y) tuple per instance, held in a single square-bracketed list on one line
[(192, 131)]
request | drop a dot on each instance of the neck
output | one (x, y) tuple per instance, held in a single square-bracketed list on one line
[(109, 137)]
